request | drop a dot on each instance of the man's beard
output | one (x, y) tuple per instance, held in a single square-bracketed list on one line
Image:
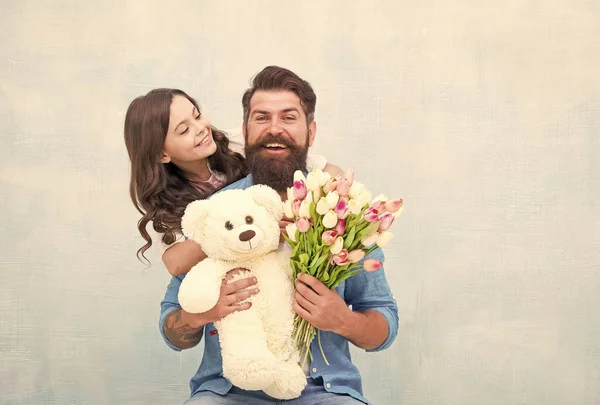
[(275, 171)]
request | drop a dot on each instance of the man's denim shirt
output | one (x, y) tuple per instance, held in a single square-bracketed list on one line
[(365, 290)]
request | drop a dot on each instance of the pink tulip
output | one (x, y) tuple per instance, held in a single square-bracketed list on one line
[(379, 206), (341, 258), (356, 255), (302, 224), (329, 236), (330, 185), (394, 205), (341, 226), (371, 215), (296, 207), (341, 209), (386, 221), (300, 189), (349, 176), (372, 265), (343, 188)]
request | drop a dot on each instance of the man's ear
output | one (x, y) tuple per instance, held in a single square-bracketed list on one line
[(245, 131), (267, 197), (165, 158), (193, 219), (312, 131)]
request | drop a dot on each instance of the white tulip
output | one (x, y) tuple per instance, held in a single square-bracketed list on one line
[(363, 198), (291, 231), (322, 206), (384, 238), (330, 219), (337, 246), (287, 209), (312, 180), (298, 175), (323, 177), (356, 189), (332, 199), (369, 240), (317, 194), (353, 206), (304, 209)]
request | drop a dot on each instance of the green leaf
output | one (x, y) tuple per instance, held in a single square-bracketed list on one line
[(344, 277), (315, 238), (361, 235), (295, 251), (319, 260), (304, 258), (302, 268), (349, 239), (350, 221)]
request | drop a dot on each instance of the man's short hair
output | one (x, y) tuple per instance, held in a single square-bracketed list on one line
[(275, 78)]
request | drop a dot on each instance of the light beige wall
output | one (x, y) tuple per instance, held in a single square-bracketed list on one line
[(484, 116)]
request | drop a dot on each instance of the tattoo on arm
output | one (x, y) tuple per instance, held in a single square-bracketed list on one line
[(179, 333)]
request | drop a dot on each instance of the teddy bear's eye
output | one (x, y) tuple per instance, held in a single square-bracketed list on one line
[(228, 226), (249, 220)]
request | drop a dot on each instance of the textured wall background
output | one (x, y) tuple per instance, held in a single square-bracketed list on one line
[(485, 118)]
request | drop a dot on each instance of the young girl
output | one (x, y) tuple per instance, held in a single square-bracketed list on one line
[(177, 157)]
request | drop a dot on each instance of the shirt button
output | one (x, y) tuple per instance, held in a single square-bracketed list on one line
[(328, 385), (314, 370)]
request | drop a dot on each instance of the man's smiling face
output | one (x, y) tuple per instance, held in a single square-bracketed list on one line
[(277, 137)]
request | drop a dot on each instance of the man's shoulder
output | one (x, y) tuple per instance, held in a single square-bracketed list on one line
[(241, 184)]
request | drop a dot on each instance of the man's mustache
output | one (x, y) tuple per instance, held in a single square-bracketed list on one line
[(275, 139)]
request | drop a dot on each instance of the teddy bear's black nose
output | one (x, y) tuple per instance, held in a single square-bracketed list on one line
[(247, 235)]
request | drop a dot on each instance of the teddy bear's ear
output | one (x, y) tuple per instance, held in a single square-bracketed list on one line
[(193, 219), (268, 198)]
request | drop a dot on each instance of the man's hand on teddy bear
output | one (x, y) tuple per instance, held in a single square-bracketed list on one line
[(231, 294), (322, 307)]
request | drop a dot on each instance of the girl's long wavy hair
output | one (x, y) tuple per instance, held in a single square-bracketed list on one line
[(160, 191)]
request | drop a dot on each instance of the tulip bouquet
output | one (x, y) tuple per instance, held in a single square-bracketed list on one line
[(336, 224)]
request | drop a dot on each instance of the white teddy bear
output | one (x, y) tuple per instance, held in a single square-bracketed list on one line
[(240, 228)]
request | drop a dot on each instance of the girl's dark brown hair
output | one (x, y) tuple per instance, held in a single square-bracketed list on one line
[(160, 191)]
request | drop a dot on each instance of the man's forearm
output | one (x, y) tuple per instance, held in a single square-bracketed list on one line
[(367, 330), (178, 330)]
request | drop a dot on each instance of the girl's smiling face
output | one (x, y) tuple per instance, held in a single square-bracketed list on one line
[(189, 137)]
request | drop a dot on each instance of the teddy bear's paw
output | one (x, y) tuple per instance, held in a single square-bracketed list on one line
[(289, 381), (253, 375)]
